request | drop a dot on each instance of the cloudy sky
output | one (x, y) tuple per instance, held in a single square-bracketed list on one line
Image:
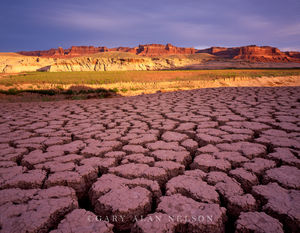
[(44, 24)]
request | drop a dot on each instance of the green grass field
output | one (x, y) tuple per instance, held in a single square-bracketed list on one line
[(110, 77)]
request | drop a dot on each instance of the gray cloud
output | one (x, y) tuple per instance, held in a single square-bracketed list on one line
[(44, 24)]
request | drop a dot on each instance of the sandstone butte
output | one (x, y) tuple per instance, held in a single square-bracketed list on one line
[(250, 53)]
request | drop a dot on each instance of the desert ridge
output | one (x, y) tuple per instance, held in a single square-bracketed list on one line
[(146, 57), (250, 53), (143, 50)]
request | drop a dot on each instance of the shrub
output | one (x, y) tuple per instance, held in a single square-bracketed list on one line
[(124, 90), (115, 90), (42, 92), (12, 91)]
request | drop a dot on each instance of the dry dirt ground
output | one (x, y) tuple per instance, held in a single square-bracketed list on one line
[(208, 160)]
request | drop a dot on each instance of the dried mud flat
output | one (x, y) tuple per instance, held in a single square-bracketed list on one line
[(208, 160)]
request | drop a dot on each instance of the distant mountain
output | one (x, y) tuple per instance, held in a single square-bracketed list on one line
[(143, 50), (250, 53), (254, 53)]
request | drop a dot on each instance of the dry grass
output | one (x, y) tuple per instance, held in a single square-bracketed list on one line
[(137, 82), (137, 88), (108, 77)]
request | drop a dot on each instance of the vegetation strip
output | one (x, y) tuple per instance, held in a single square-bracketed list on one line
[(108, 77)]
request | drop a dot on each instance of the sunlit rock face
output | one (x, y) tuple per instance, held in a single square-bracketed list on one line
[(253, 53), (144, 50)]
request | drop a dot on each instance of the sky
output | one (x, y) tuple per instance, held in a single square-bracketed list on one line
[(43, 24)]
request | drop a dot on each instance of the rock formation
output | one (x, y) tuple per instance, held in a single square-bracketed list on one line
[(220, 51), (143, 50), (293, 54), (110, 61), (158, 50), (253, 53), (262, 54), (146, 57), (74, 51), (250, 53)]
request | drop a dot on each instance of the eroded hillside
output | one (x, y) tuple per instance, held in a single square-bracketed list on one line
[(110, 61)]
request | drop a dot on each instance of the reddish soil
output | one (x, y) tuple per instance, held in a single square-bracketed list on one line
[(207, 160)]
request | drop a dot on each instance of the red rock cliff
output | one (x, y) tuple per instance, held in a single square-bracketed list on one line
[(83, 50), (253, 53), (45, 53), (250, 53), (74, 51), (293, 54), (125, 49), (221, 51), (158, 50), (143, 50), (262, 54)]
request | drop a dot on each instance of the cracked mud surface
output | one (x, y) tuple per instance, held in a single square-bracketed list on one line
[(209, 160)]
